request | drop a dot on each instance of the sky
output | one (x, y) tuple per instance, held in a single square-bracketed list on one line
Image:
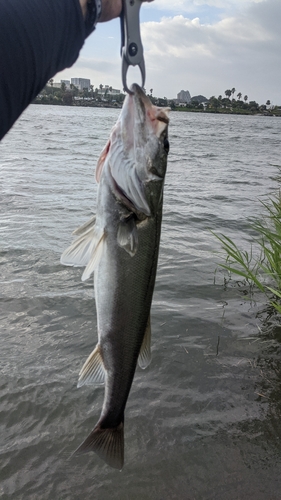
[(204, 46)]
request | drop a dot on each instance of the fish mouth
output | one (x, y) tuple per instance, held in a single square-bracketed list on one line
[(140, 99), (146, 113)]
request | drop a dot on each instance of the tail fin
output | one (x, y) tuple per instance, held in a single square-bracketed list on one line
[(108, 444)]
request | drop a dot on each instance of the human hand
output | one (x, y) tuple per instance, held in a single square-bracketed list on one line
[(109, 9)]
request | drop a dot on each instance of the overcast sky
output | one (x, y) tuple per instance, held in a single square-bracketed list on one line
[(204, 46)]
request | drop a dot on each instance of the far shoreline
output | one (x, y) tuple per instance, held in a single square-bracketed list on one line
[(181, 109)]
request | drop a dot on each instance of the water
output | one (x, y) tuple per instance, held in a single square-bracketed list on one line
[(203, 421)]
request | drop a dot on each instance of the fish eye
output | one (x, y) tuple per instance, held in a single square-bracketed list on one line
[(166, 145)]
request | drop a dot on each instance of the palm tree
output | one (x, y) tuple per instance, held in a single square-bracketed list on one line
[(268, 102), (233, 90), (51, 82), (239, 95), (245, 98), (228, 93)]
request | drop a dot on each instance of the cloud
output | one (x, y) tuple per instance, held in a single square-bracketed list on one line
[(240, 48), (237, 51), (192, 5)]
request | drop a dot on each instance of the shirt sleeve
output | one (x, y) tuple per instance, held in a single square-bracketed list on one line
[(38, 38)]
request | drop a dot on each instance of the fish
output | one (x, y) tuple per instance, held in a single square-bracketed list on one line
[(120, 245)]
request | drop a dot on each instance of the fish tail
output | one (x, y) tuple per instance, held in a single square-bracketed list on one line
[(107, 443)]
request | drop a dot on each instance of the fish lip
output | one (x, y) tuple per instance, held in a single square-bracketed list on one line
[(135, 88), (139, 95)]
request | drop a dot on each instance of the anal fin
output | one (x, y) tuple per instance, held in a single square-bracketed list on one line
[(145, 352), (92, 372)]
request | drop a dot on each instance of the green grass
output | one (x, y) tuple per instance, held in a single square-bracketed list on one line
[(261, 265)]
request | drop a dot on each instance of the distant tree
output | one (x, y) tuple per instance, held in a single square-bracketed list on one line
[(195, 103), (245, 98), (101, 86), (239, 95), (67, 99), (268, 102), (151, 92), (253, 106), (228, 93), (74, 89), (51, 82), (214, 104), (63, 87), (233, 90), (225, 102), (220, 97), (92, 90)]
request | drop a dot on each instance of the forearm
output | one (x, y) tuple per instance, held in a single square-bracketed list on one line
[(38, 38)]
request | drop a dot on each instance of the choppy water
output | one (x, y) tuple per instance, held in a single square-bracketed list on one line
[(203, 421)]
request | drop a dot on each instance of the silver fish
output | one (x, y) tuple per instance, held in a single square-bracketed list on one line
[(121, 246)]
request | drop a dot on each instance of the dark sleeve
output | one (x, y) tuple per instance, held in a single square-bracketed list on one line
[(38, 38)]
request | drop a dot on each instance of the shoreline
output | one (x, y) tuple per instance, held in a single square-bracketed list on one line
[(180, 109)]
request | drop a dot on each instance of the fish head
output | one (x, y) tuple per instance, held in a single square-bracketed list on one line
[(137, 151), (145, 133)]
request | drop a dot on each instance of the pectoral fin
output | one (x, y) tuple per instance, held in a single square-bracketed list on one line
[(127, 235), (95, 258), (85, 227), (81, 250), (92, 372), (145, 352), (86, 250)]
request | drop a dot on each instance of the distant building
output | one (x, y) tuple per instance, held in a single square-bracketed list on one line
[(81, 83), (184, 96)]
